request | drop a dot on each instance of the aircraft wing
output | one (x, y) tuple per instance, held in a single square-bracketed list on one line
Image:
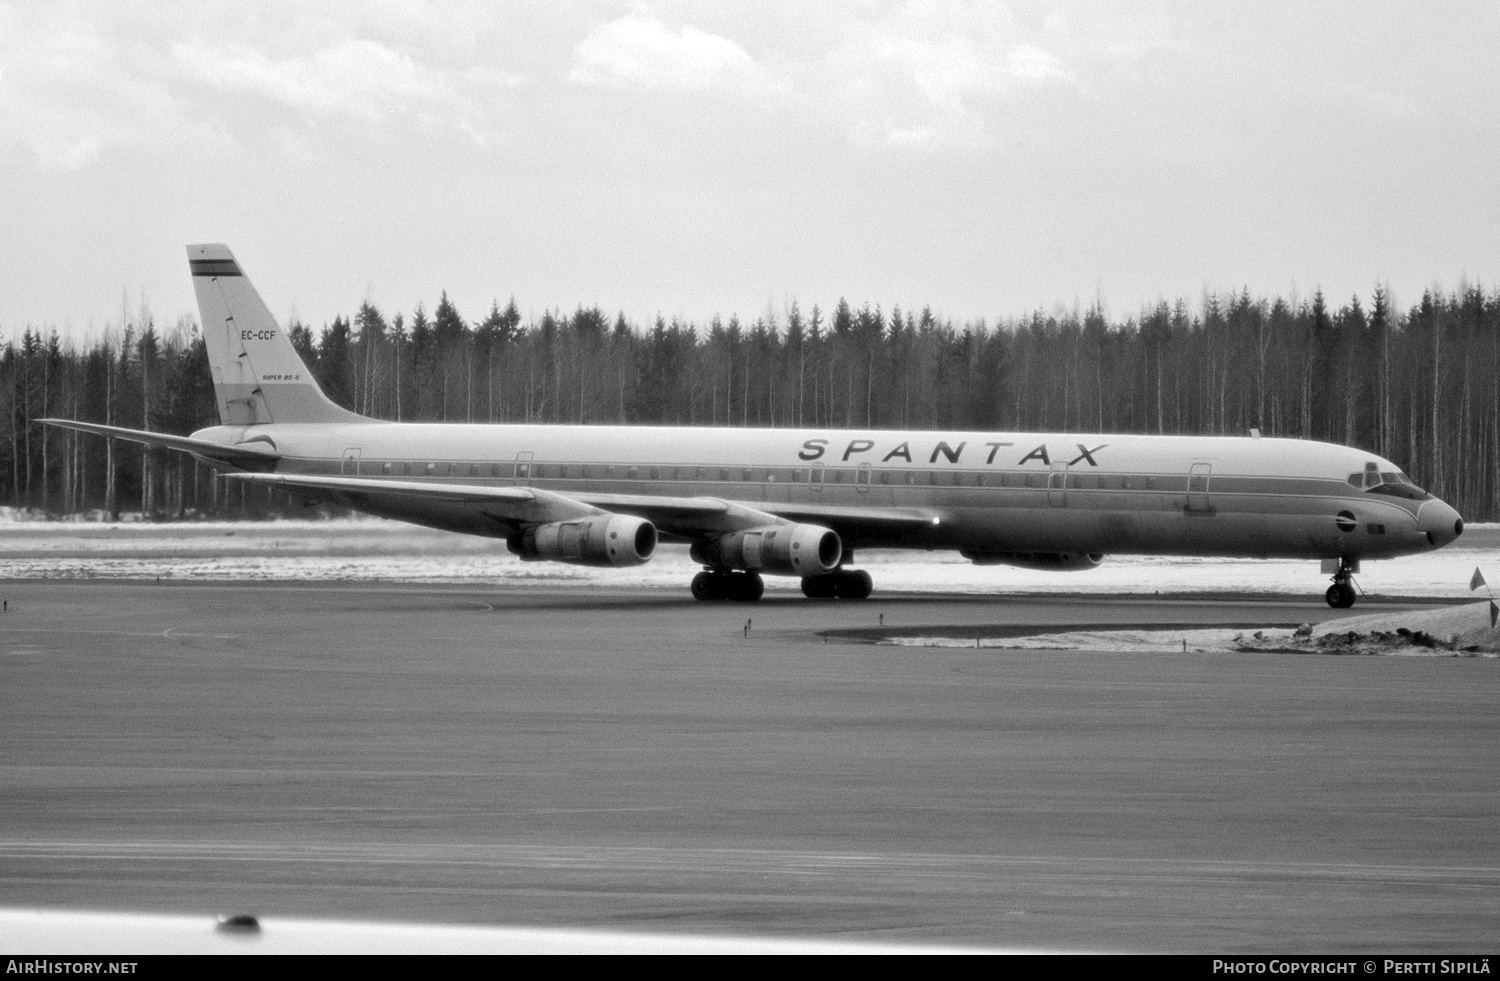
[(692, 517), (862, 526), (687, 517), (512, 506), (255, 456), (681, 517)]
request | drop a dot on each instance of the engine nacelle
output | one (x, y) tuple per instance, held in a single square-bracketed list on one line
[(782, 550), (1046, 561), (610, 540)]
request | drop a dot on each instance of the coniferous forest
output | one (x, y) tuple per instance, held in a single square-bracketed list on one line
[(1420, 386)]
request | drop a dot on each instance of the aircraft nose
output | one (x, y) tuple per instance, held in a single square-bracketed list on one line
[(1441, 522)]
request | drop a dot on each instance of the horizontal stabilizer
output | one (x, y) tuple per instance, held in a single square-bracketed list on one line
[(251, 455)]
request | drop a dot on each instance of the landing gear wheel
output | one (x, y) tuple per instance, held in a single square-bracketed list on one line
[(854, 584), (746, 587), (707, 586), (847, 584), (742, 587), (1340, 596), (820, 587)]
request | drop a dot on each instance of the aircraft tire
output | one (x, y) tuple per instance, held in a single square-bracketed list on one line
[(1340, 596), (747, 588), (820, 587), (707, 586), (854, 584)]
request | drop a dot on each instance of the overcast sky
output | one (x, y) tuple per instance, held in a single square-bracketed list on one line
[(693, 158)]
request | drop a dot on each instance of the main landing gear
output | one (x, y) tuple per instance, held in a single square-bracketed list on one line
[(1340, 595), (741, 587), (748, 587), (850, 584)]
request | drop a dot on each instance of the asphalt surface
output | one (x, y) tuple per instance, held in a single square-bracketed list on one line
[(632, 760)]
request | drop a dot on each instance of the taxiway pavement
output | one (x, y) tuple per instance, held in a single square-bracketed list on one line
[(631, 760)]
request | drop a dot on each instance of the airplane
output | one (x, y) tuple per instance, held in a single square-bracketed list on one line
[(754, 502)]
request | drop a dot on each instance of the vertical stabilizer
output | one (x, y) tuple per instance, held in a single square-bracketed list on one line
[(258, 377)]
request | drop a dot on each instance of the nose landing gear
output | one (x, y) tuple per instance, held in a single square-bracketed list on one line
[(1340, 595)]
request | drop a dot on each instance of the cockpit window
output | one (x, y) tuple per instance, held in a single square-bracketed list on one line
[(1390, 483), (1398, 485)]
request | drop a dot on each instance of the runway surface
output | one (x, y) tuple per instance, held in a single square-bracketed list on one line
[(631, 760)]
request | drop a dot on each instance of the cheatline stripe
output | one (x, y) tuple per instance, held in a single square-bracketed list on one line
[(214, 267)]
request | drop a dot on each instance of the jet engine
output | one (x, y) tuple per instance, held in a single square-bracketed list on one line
[(784, 550), (599, 540), (1047, 561)]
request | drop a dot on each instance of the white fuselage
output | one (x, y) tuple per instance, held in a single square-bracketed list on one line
[(986, 493)]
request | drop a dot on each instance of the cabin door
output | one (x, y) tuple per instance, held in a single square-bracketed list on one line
[(862, 479), (1057, 485), (523, 468), (1197, 499), (815, 477), (350, 466)]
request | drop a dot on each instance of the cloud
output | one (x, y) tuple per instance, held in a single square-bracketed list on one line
[(639, 51), (1031, 64), (931, 73), (70, 92), (82, 81), (353, 81)]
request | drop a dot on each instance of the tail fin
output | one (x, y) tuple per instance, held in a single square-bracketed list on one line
[(258, 377)]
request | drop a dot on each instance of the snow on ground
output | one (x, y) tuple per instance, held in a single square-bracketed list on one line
[(371, 550), (1449, 632)]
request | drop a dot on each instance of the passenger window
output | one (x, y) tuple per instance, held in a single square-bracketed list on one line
[(406, 469), (746, 475), (431, 469), (633, 473), (385, 468)]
